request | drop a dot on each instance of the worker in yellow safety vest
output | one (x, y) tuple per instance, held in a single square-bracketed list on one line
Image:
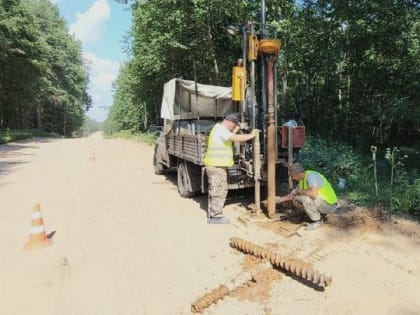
[(314, 194), (218, 158)]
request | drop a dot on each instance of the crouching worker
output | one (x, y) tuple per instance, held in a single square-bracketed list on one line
[(218, 159), (313, 194)]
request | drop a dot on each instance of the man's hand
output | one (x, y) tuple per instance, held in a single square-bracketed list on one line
[(297, 191), (241, 137), (284, 198)]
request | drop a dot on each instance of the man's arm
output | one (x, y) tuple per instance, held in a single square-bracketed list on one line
[(243, 137), (284, 198), (310, 192)]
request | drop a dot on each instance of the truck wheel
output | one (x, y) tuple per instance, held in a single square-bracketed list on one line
[(184, 180), (157, 166)]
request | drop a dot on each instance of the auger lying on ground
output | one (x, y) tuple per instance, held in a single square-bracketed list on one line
[(220, 292), (296, 267), (209, 298)]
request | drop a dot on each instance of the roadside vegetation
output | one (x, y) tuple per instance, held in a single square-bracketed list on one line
[(351, 73), (143, 137), (15, 135), (89, 126), (396, 187)]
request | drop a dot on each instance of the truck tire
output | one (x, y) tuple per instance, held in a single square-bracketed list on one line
[(157, 166), (185, 188)]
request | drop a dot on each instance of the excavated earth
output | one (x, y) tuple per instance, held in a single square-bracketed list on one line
[(126, 243)]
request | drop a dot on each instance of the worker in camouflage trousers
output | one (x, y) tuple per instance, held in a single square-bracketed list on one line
[(219, 157), (314, 195), (218, 190)]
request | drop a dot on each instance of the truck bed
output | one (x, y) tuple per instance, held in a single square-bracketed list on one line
[(188, 147)]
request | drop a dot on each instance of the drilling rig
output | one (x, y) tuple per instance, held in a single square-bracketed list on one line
[(190, 110)]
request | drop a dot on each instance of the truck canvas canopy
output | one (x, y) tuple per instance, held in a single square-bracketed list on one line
[(184, 99)]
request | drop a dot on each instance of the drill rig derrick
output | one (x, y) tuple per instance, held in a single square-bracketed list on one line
[(259, 110)]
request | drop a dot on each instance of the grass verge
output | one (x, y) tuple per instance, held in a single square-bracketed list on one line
[(146, 138), (398, 187), (14, 135)]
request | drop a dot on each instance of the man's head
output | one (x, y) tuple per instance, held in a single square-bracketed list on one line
[(231, 121), (296, 171)]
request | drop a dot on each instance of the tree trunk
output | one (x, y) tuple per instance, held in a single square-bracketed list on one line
[(38, 117), (65, 124), (145, 120), (216, 78)]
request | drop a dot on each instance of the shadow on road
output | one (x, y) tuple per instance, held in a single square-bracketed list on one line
[(243, 196), (9, 156), (7, 167)]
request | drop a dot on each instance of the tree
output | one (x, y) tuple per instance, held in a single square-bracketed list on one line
[(353, 71), (351, 68), (171, 39), (22, 64), (124, 114), (43, 80), (65, 99)]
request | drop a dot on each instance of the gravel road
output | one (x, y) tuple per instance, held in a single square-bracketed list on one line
[(127, 243)]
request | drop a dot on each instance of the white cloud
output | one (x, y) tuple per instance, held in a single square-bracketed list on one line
[(102, 73), (89, 25)]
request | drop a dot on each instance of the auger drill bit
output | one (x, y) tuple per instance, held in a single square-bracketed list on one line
[(294, 266), (220, 292), (209, 298)]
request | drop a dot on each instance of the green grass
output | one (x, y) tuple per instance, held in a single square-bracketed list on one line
[(334, 160), (146, 138), (15, 135)]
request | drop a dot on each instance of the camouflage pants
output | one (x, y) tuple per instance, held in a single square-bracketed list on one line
[(313, 207), (218, 190)]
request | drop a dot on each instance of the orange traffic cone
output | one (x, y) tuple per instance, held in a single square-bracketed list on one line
[(37, 236)]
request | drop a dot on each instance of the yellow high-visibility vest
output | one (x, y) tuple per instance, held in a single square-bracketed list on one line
[(218, 155), (326, 192)]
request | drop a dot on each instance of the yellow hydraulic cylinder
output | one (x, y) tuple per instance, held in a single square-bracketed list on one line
[(253, 45), (238, 83)]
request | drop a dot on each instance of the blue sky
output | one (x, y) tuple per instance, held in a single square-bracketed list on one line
[(101, 26)]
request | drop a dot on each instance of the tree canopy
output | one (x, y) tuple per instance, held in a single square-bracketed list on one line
[(350, 68), (43, 79)]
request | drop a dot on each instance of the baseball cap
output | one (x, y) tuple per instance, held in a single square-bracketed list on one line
[(233, 118), (295, 169)]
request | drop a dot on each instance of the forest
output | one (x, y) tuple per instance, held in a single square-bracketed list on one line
[(349, 68), (43, 78)]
